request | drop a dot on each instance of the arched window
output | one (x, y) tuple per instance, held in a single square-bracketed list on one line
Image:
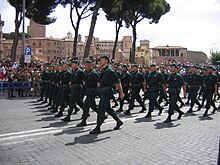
[(172, 52), (177, 52)]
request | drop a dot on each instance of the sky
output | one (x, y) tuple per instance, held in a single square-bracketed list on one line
[(193, 24)]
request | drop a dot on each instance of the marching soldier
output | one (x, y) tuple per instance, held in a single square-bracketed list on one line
[(76, 82), (194, 83), (63, 86), (43, 83), (174, 83), (108, 78), (125, 78), (90, 86), (137, 80), (211, 88), (154, 81)]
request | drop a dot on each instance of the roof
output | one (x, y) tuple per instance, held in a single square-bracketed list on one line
[(170, 47)]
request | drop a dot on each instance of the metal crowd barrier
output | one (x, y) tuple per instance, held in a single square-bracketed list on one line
[(5, 85)]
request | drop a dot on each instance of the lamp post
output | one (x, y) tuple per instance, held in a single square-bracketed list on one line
[(168, 49), (23, 29)]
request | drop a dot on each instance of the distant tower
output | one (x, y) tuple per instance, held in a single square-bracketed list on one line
[(1, 33), (127, 43), (36, 30)]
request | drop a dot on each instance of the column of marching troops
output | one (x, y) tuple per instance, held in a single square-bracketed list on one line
[(69, 85)]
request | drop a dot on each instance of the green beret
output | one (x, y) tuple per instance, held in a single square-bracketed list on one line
[(147, 67), (105, 57), (135, 65), (124, 65), (75, 61), (175, 65), (210, 67), (88, 61), (195, 66), (67, 63), (153, 65)]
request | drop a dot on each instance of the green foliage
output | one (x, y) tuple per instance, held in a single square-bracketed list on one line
[(12, 35), (215, 58)]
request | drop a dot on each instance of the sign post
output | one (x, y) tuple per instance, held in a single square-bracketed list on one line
[(27, 55)]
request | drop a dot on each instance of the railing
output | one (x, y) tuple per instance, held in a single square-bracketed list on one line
[(5, 85)]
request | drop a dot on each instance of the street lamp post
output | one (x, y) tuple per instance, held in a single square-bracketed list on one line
[(23, 29)]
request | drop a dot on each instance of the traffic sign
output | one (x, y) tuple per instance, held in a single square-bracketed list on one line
[(28, 51), (27, 58)]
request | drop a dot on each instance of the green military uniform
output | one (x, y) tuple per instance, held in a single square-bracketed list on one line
[(175, 82), (108, 78), (194, 83), (90, 87), (137, 80), (154, 81), (76, 81), (62, 99), (209, 83), (43, 85), (125, 78)]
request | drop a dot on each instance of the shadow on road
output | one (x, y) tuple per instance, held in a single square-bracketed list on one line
[(143, 119), (204, 118), (86, 139), (165, 125), (71, 130), (190, 114)]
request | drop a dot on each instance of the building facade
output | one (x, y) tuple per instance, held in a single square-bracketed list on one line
[(143, 53), (161, 54), (1, 34)]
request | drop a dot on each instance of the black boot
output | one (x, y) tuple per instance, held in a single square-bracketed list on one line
[(76, 110), (190, 111), (59, 114), (206, 113), (199, 107), (118, 124), (96, 130), (168, 120), (114, 106), (120, 110), (160, 110), (128, 112), (41, 99), (180, 115), (148, 115), (82, 123), (214, 110), (67, 118), (142, 110)]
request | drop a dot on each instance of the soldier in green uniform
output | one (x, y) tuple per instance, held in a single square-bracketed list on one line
[(108, 78), (137, 80), (90, 86), (162, 95), (76, 82), (43, 84), (125, 78), (194, 83), (154, 81), (62, 99), (174, 83), (211, 88), (146, 73), (48, 83)]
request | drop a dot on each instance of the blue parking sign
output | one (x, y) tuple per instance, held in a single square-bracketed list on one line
[(28, 51)]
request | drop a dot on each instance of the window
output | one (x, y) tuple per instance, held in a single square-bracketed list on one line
[(40, 44), (33, 43), (172, 52), (177, 52), (168, 52), (163, 52), (54, 43), (160, 54)]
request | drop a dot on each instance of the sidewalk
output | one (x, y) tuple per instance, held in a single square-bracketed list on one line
[(30, 134)]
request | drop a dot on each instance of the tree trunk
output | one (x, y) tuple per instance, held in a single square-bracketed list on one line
[(76, 38), (134, 32), (118, 27), (92, 28), (15, 40)]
